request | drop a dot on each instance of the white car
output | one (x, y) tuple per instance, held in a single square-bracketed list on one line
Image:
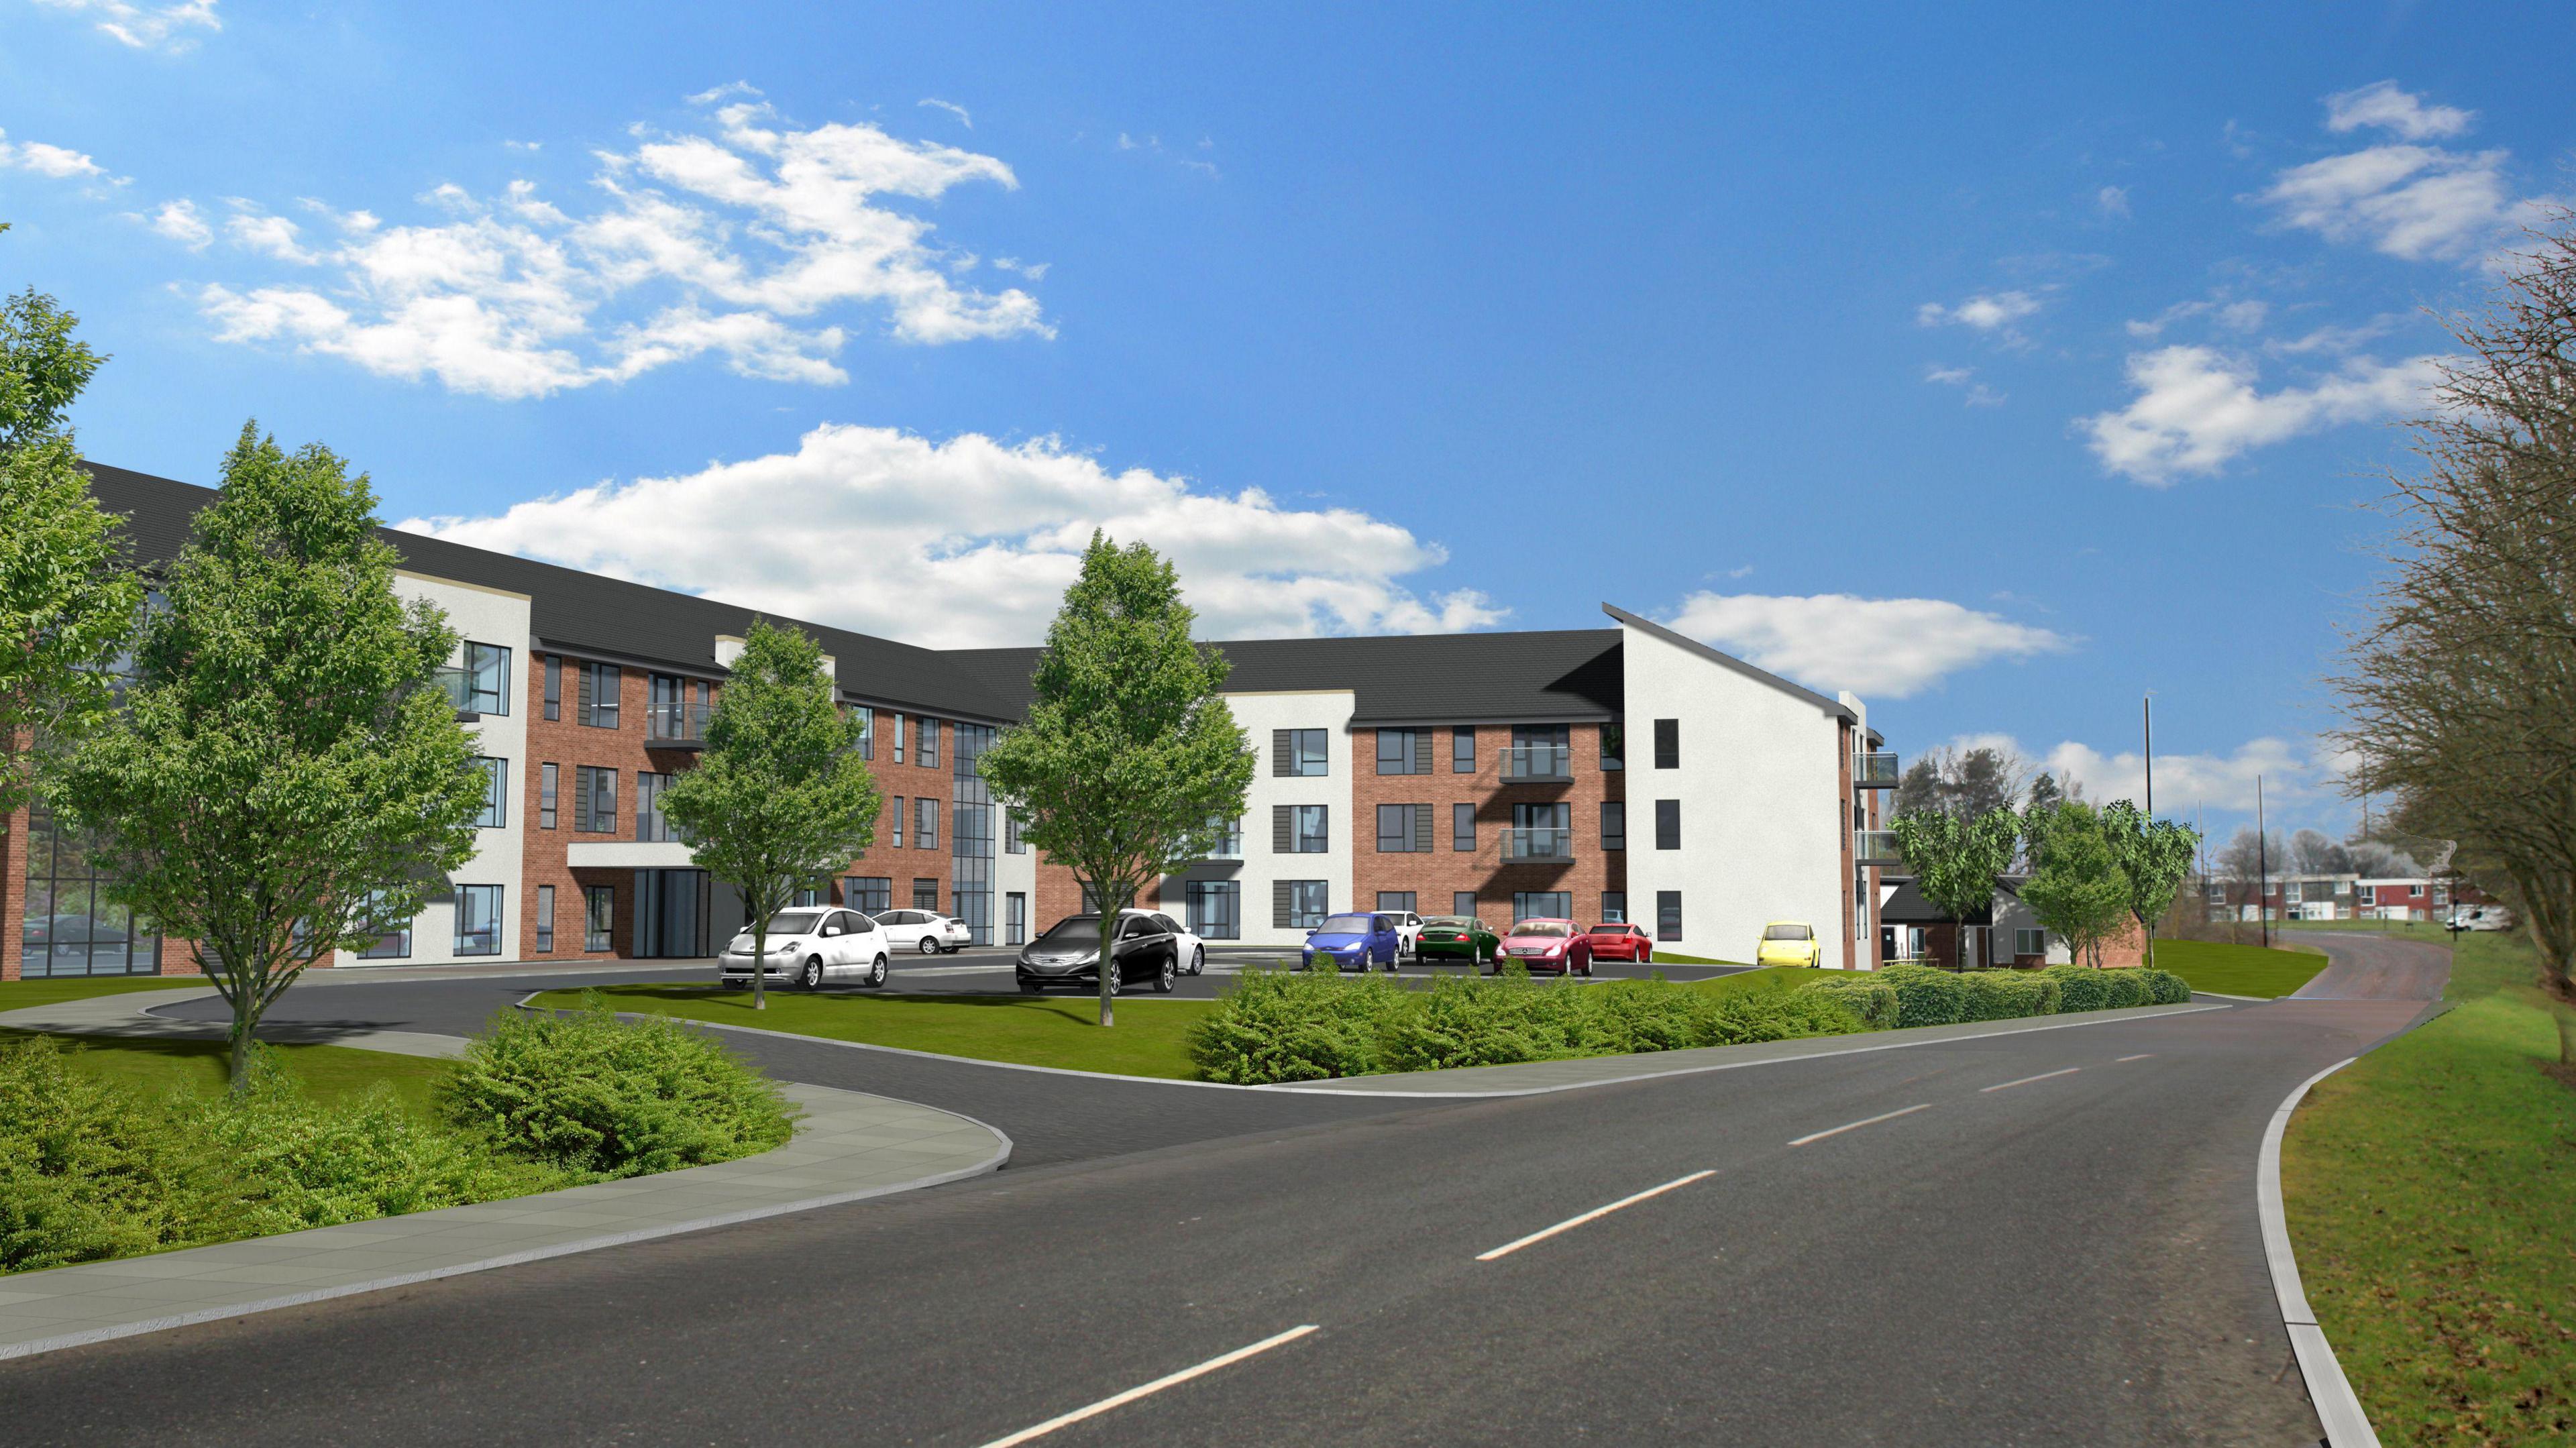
[(808, 946), (1408, 931), (1187, 948), (927, 931)]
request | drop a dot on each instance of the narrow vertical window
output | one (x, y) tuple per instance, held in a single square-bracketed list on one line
[(598, 917), (554, 686), (1462, 751), (929, 744), (1614, 746), (1668, 744), (897, 722), (1462, 827), (926, 823), (546, 781), (1614, 824), (545, 919), (1668, 915), (898, 821), (1668, 824), (478, 920), (496, 794)]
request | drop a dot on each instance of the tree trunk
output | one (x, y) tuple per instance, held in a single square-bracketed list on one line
[(760, 961), (240, 1066), (1110, 913)]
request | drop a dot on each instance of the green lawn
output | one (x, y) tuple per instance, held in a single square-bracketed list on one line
[(18, 994), (1667, 957), (329, 1073), (2245, 970), (2428, 1186), (1026, 1030)]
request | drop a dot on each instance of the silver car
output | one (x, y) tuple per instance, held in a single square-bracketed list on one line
[(810, 946)]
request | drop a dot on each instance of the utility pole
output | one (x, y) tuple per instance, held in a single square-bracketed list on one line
[(2147, 706), (2262, 867)]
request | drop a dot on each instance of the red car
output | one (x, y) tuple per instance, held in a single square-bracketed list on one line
[(1615, 941), (1558, 945)]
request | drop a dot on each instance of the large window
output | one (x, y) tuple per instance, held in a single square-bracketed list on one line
[(1542, 905), (1462, 750), (496, 794), (1224, 839), (868, 894), (925, 895), (594, 800), (599, 688), (676, 708), (1403, 829), (1542, 831), (1398, 902), (1614, 906), (1668, 824), (478, 920), (1463, 902), (1297, 904), (1012, 844), (598, 917), (547, 777), (1462, 827), (69, 928), (1404, 751), (487, 678), (1215, 909), (1614, 824), (1299, 752), (650, 825), (970, 833), (545, 919), (1541, 751), (1668, 744), (2030, 942), (1668, 915), (393, 941), (1300, 829), (1614, 746)]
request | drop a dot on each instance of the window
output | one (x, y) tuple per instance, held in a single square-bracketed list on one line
[(1299, 829), (869, 894), (1297, 904), (1668, 824), (1298, 752), (1403, 829), (1541, 832), (1542, 904), (599, 686), (1462, 827), (898, 739), (1668, 744), (554, 686), (546, 796), (929, 752), (925, 822), (594, 800), (487, 679), (545, 919), (1215, 909), (2370, 896), (478, 920), (1012, 844), (925, 894), (1404, 751), (2030, 942), (598, 917), (675, 708), (1395, 902), (867, 718), (1462, 751), (898, 822), (1614, 906), (2290, 892), (1015, 919), (809, 898), (496, 794), (1614, 746), (1540, 751), (1668, 915), (1463, 902), (394, 943), (650, 826), (1614, 824)]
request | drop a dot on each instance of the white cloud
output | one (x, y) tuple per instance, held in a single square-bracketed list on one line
[(147, 27), (731, 241), (1879, 647), (179, 221), (2184, 782), (45, 160), (1977, 394), (954, 109), (2112, 201), (2383, 105), (2197, 408), (971, 541), (1948, 376), (1984, 313)]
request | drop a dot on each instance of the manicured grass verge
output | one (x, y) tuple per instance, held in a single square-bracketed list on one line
[(20, 994), (2245, 970), (328, 1074), (1061, 1031), (2427, 1187), (1667, 957)]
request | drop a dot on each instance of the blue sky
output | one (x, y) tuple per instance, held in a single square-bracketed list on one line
[(1998, 367)]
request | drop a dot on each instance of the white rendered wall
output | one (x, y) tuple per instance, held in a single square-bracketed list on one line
[(1259, 714), (1762, 807), (1013, 875)]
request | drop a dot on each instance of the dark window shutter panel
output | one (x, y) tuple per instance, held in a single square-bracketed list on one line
[(581, 798), (1281, 764), (1281, 821), (581, 702), (1279, 904), (1422, 828)]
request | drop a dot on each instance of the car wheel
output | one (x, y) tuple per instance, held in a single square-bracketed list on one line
[(811, 977), (877, 972), (929, 946), (1030, 987), (950, 949), (1198, 960), (1164, 977), (1117, 981)]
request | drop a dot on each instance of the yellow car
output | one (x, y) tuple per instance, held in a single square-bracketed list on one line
[(1787, 942)]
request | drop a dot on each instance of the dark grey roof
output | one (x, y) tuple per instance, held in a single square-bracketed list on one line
[(1906, 905), (1565, 675)]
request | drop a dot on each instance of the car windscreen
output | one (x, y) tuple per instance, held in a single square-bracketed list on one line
[(1448, 922), (1079, 930), (793, 922), (1788, 932), (1539, 927), (1344, 925)]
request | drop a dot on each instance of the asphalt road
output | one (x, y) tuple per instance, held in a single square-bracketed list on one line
[(2372, 967), (2042, 1237)]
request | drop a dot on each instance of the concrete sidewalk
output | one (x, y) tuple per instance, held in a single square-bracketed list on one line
[(127, 1014)]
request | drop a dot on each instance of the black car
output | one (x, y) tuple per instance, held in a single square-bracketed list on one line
[(1069, 954)]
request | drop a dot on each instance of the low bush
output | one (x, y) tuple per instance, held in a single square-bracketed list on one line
[(596, 1094), (1870, 1000), (2168, 989), (2003, 995), (1926, 996), (1282, 1025), (86, 1171), (2080, 987)]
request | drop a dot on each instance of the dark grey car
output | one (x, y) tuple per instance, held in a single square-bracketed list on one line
[(1069, 954)]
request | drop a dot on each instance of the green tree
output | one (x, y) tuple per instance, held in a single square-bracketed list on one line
[(67, 599), (1956, 860), (2078, 891), (1128, 749), (284, 780), (780, 798), (2154, 857)]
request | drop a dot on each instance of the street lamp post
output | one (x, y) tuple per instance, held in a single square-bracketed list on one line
[(2262, 867)]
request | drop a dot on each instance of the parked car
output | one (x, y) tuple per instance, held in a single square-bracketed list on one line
[(2481, 917), (1187, 948), (1069, 954), (1541, 944), (1408, 931), (1789, 942), (1353, 942), (810, 946), (1457, 937), (926, 931), (1618, 940)]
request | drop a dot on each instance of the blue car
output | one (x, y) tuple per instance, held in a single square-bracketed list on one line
[(1353, 942)]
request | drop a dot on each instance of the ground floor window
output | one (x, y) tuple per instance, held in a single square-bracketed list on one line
[(2030, 942), (925, 895), (671, 913), (1668, 915), (1395, 900), (598, 917), (1216, 909), (1297, 904), (868, 894), (68, 927), (478, 920), (545, 919), (1015, 919), (393, 944), (808, 898), (1614, 906), (1542, 904)]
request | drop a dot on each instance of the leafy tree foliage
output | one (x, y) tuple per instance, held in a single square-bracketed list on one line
[(2153, 856), (1128, 750), (284, 780), (2078, 892), (1956, 861), (780, 798), (1965, 785)]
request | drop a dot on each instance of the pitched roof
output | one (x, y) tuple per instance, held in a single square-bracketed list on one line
[(1653, 629)]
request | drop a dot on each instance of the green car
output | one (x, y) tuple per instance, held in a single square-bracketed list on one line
[(1457, 937)]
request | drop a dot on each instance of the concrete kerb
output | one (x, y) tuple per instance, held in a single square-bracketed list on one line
[(2338, 1407), (848, 1147)]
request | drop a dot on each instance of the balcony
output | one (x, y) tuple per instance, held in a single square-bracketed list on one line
[(676, 726), (457, 686), (1539, 764), (1875, 847), (1874, 771), (1539, 845)]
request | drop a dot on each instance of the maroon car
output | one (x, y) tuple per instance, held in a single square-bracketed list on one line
[(1613, 940), (1558, 945)]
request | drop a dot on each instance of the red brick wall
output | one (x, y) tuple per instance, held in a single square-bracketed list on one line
[(913, 780), (13, 894), (1434, 877)]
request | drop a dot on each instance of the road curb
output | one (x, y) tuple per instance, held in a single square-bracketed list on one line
[(2338, 1407)]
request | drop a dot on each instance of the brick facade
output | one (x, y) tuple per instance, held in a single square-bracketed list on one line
[(1443, 871)]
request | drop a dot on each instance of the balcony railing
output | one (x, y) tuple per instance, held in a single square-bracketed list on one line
[(677, 726), (1547, 763), (1539, 845), (1874, 771), (457, 686), (1875, 847)]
